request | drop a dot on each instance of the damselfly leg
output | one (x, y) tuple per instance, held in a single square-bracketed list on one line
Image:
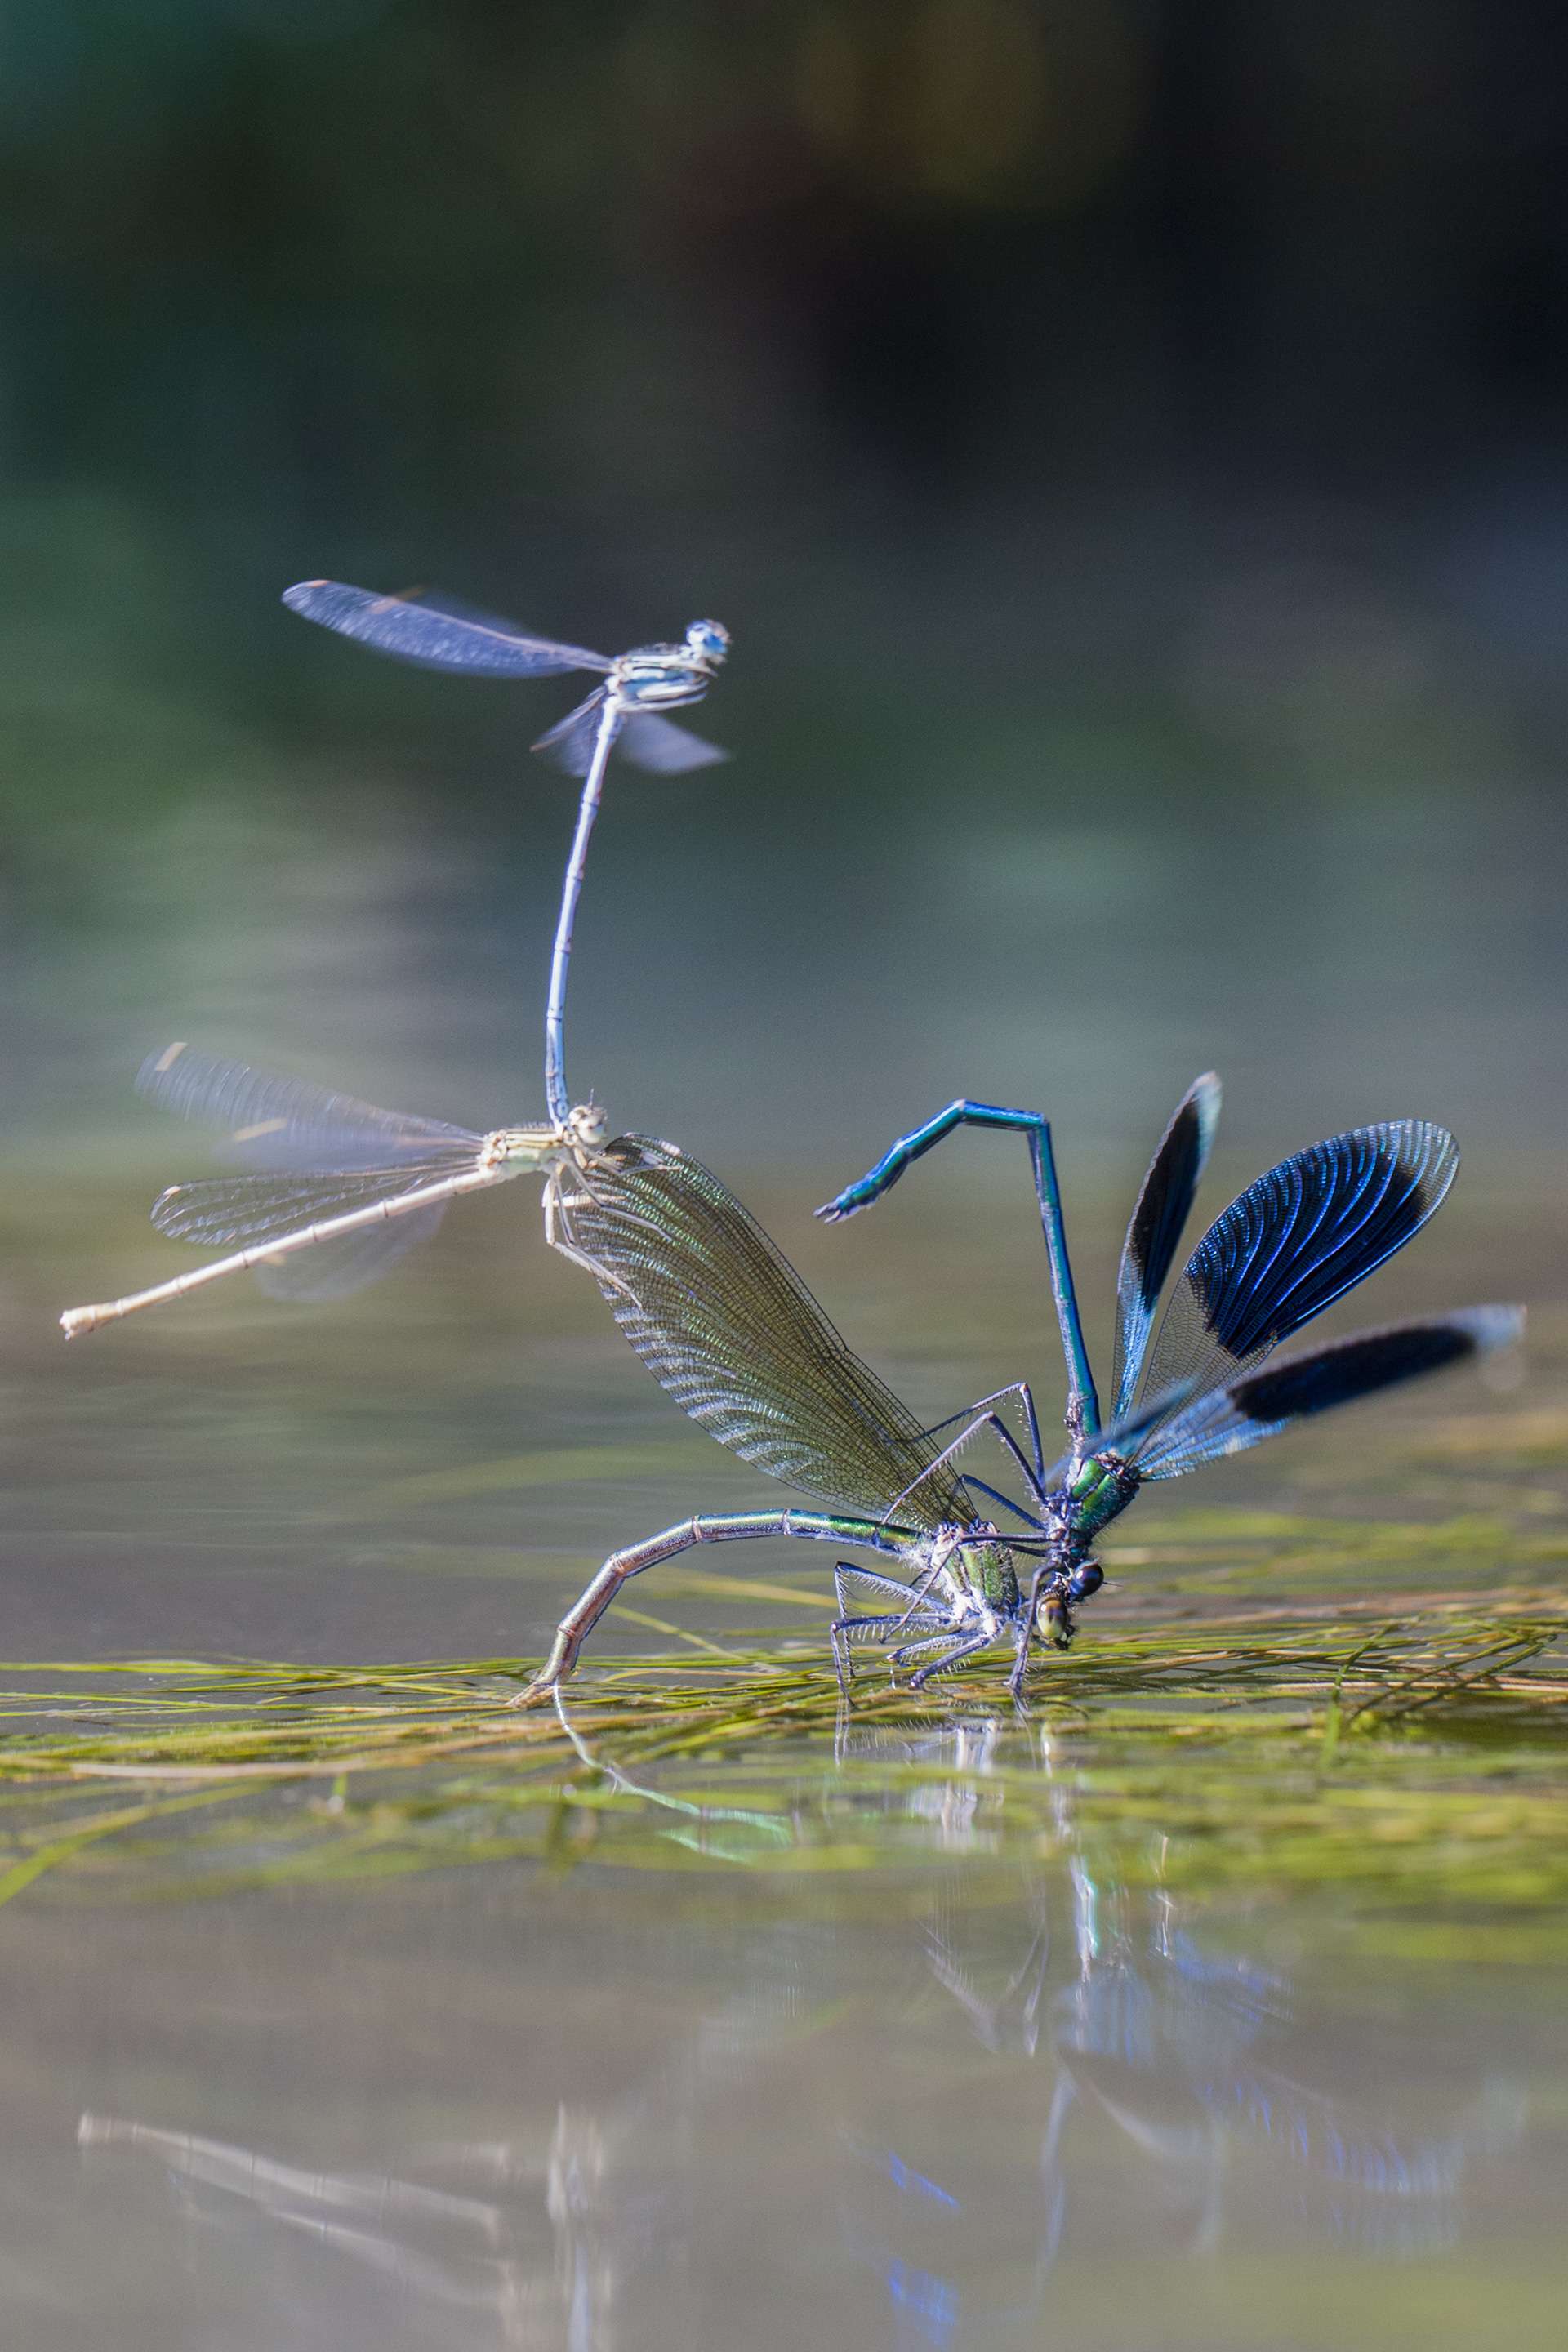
[(1024, 1395), (953, 1653), (726, 1325)]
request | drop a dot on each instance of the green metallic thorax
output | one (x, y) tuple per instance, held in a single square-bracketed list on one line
[(987, 1568), (1101, 1488)]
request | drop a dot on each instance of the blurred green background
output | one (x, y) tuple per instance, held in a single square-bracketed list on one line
[(1126, 443)]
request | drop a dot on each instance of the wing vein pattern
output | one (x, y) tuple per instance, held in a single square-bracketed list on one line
[(1154, 1234), (724, 1323), (436, 633), (1261, 1404), (1293, 1243), (241, 1211)]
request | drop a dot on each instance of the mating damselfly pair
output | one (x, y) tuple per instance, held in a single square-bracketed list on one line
[(340, 1189), (337, 1189)]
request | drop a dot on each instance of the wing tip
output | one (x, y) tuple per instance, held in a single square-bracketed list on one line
[(1494, 1327)]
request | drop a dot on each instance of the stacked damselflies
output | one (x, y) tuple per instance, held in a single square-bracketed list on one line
[(725, 1324), (339, 1188)]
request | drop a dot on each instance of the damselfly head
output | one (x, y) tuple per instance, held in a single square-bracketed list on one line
[(1052, 1615), (709, 641), (589, 1126)]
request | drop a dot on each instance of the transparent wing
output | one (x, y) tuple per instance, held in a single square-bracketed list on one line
[(434, 633), (238, 1211), (569, 744), (723, 1322), (1247, 1411), (1122, 1435), (274, 1122), (663, 748), (332, 1269), (1154, 1234), (1294, 1242)]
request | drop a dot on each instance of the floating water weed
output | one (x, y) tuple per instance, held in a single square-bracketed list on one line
[(1415, 1768)]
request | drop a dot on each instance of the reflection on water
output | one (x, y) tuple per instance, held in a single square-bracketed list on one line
[(934, 2119)]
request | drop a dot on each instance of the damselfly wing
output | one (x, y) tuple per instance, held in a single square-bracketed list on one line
[(337, 1190), (439, 633), (725, 1324)]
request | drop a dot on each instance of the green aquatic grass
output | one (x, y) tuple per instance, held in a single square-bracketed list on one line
[(1411, 1766)]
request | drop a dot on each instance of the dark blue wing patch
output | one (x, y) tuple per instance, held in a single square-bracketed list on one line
[(1247, 1411), (1294, 1242), (1154, 1234)]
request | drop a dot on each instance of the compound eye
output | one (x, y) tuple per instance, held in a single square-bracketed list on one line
[(1052, 1622)]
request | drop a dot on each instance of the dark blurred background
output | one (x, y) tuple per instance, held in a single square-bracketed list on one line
[(1126, 442)]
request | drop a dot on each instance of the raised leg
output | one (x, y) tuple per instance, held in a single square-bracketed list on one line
[(1025, 1396), (584, 1614), (1082, 1415), (992, 1420)]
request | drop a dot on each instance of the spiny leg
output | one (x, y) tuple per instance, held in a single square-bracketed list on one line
[(1025, 1396), (994, 1495), (881, 1624), (845, 1631), (560, 1238), (918, 1648), (992, 1421), (954, 1657), (1083, 1405)]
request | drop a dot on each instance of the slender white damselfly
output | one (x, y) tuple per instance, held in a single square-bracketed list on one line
[(339, 1189)]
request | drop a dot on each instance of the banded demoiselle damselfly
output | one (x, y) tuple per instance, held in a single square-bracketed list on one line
[(724, 1323)]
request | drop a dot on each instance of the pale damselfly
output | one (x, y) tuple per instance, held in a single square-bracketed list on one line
[(344, 1188)]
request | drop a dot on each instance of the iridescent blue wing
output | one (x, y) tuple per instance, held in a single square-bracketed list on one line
[(1154, 1234), (1261, 1404), (1293, 1243), (434, 633), (1124, 1436)]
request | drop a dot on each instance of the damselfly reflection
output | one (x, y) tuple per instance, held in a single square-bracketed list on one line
[(346, 1188), (725, 1324)]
